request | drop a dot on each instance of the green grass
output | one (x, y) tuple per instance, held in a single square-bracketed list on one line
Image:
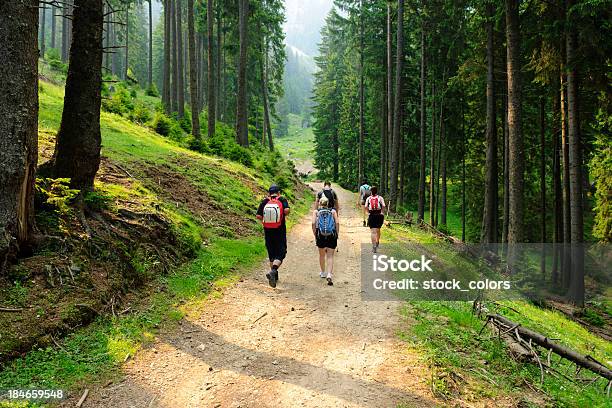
[(446, 333), (299, 143)]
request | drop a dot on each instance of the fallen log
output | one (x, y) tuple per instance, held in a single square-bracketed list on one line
[(580, 360)]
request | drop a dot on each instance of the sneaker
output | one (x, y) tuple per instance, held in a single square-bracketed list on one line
[(272, 277), (374, 249), (364, 223), (322, 275), (329, 282)]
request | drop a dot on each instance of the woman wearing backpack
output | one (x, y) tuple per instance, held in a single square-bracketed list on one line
[(326, 228), (375, 205)]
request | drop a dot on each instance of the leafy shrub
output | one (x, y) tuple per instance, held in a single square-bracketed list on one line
[(56, 193), (152, 91), (162, 124), (185, 122), (141, 114), (283, 182), (121, 102), (240, 154)]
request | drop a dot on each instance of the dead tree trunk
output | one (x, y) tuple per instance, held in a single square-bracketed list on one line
[(77, 147), (19, 126)]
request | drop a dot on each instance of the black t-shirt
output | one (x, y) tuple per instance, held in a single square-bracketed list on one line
[(263, 203), (331, 196)]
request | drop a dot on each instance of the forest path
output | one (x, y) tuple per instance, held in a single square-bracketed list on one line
[(317, 346)]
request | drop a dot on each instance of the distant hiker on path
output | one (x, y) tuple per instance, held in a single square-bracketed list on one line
[(272, 212), (375, 206), (325, 227), (331, 195), (364, 193)]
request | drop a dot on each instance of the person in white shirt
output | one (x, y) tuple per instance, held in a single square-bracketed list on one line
[(375, 206)]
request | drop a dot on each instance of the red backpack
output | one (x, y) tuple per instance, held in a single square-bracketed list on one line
[(374, 203), (273, 213)]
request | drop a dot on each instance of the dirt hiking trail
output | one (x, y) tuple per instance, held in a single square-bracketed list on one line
[(317, 346)]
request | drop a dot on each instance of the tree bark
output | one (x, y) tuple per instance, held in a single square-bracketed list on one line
[(77, 147), (242, 132), (53, 26), (218, 66), (264, 89), (180, 83), (515, 135), (397, 104), (211, 70), (432, 163), (558, 192), (422, 153), (567, 261), (542, 185), (19, 125), (462, 171), (360, 163), (443, 220), (576, 289), (150, 70), (43, 22), (167, 46), (389, 108), (126, 68), (489, 219), (65, 27), (193, 73), (174, 55)]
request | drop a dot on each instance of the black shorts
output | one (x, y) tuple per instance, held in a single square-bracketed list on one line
[(276, 243), (376, 220), (327, 242)]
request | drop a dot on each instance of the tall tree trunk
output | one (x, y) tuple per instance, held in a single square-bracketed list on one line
[(53, 26), (543, 185), (443, 171), (77, 147), (567, 261), (422, 130), (389, 108), (462, 170), (174, 54), (150, 70), (576, 289), (402, 174), (558, 192), (126, 67), (107, 44), (218, 66), (203, 70), (167, 46), (399, 64), (211, 69), (264, 91), (19, 125), (115, 62), (180, 84), (432, 163), (65, 30), (488, 232), (242, 135), (360, 164), (193, 73), (43, 22), (515, 135)]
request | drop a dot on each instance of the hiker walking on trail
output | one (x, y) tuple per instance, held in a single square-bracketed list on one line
[(375, 205), (364, 193), (325, 227), (331, 195), (272, 212)]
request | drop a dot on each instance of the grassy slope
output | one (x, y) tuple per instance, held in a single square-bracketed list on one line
[(299, 143), (94, 353), (447, 334)]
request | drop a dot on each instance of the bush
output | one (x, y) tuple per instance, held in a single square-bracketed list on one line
[(141, 114), (240, 154), (121, 102), (152, 91), (162, 124)]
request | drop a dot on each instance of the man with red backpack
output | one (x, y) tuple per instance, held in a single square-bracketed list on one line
[(375, 205), (272, 212)]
